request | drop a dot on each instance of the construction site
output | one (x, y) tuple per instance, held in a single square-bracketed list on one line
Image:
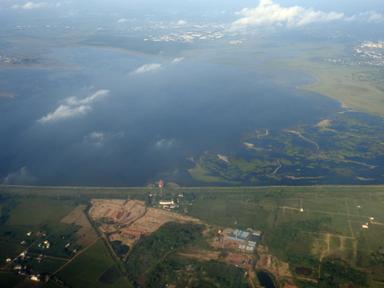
[(128, 220)]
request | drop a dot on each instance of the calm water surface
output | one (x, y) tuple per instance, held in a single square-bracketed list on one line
[(148, 125)]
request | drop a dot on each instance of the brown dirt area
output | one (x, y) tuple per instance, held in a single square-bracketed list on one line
[(201, 255), (128, 220), (86, 234), (121, 212)]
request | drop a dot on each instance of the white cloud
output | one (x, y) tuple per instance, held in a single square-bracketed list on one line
[(20, 177), (30, 5), (368, 16), (178, 60), (64, 112), (100, 138), (235, 42), (181, 23), (73, 107), (165, 143), (122, 20), (96, 138), (74, 101), (270, 13), (147, 68)]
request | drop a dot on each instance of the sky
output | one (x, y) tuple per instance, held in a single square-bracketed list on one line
[(187, 7)]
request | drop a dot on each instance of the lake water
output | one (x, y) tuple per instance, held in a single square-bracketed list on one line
[(148, 125), (265, 279)]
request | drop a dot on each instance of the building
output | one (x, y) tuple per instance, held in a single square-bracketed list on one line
[(167, 204), (245, 241), (239, 235)]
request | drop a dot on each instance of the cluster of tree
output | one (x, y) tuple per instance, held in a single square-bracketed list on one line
[(184, 272), (377, 257), (153, 249), (338, 273), (154, 262)]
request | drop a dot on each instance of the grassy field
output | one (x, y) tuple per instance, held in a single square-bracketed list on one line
[(77, 194), (352, 86), (87, 269), (356, 87), (35, 215), (37, 212), (329, 226)]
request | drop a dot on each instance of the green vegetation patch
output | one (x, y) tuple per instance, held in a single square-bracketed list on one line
[(295, 238), (154, 249), (89, 268), (39, 211), (330, 224), (182, 272), (357, 86), (337, 273)]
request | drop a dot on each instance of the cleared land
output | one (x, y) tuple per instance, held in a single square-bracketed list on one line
[(128, 221), (85, 235)]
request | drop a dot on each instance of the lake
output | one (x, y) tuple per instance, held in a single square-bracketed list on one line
[(150, 123)]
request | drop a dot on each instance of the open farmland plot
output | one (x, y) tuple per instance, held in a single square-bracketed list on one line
[(85, 235), (89, 268), (316, 224), (33, 221), (39, 211), (41, 219)]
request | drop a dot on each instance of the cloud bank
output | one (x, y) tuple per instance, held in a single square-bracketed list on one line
[(147, 68), (270, 13), (73, 107), (20, 177)]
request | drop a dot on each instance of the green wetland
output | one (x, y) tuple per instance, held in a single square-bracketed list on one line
[(346, 148)]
